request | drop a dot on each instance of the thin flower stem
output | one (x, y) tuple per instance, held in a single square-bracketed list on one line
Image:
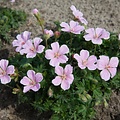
[(95, 49)]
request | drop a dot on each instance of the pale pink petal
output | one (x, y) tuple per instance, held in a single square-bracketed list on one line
[(4, 64), (105, 75), (102, 62), (36, 41), (25, 81), (40, 49), (65, 26), (31, 55), (112, 71), (36, 87), (99, 31), (83, 20), (77, 57), (31, 74), (106, 34), (65, 85), (90, 31), (63, 49), (54, 62), (88, 37), (38, 77), (68, 69), (5, 79), (81, 65), (57, 81), (62, 59), (70, 78), (78, 29), (27, 88), (55, 46), (15, 43), (114, 62), (97, 41), (26, 35), (59, 70), (19, 37), (10, 69), (73, 8), (73, 24), (28, 44), (91, 62), (49, 54), (84, 54)]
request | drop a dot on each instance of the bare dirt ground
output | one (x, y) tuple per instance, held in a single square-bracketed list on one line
[(99, 13)]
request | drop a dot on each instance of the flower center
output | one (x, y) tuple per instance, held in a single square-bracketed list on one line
[(63, 77), (32, 82), (107, 66), (32, 49), (56, 55), (23, 43), (2, 72), (84, 62)]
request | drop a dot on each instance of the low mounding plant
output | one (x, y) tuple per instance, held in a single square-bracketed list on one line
[(66, 72)]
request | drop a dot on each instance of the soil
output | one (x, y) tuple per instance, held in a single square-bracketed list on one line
[(99, 13)]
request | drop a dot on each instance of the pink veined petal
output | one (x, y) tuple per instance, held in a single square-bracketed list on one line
[(23, 51), (36, 87), (73, 24), (91, 62), (112, 71), (84, 54), (81, 65), (99, 32), (55, 46), (102, 62), (83, 20), (25, 81), (49, 54), (77, 57), (59, 70), (65, 26), (31, 55), (114, 62), (27, 88), (4, 64), (36, 42), (88, 37), (28, 44), (97, 41), (65, 85), (68, 69), (54, 62), (10, 69), (19, 37), (15, 43), (57, 81), (90, 31), (38, 77), (40, 49), (31, 74), (63, 59), (105, 75), (70, 78), (78, 29), (63, 49), (5, 79), (26, 35), (73, 8), (106, 34)]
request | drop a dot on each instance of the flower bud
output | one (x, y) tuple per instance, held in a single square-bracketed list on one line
[(50, 92), (57, 34), (35, 11), (15, 90), (48, 34)]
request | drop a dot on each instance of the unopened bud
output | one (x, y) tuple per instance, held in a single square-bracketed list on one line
[(57, 34), (15, 90), (88, 96), (83, 97), (48, 34), (35, 11), (50, 92)]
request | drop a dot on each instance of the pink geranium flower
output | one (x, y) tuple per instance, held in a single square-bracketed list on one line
[(74, 27), (85, 60), (35, 11), (108, 67), (57, 54), (5, 71), (96, 35), (31, 81), (31, 48), (78, 15), (65, 77), (21, 40)]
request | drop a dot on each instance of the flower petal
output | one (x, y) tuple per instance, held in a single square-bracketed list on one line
[(25, 81), (49, 54), (27, 88), (64, 49), (5, 79), (114, 62), (55, 46), (4, 64), (68, 69), (84, 54), (38, 77), (59, 70), (65, 85), (35, 87), (31, 74), (57, 81), (10, 69), (112, 71), (105, 75)]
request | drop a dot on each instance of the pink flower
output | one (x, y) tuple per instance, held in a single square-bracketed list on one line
[(32, 81), (65, 77), (35, 11), (32, 48), (57, 54), (21, 40), (108, 67), (96, 35), (5, 71), (48, 32), (119, 37), (74, 27), (84, 60), (78, 15)]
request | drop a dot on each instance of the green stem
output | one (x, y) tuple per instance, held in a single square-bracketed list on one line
[(95, 49)]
